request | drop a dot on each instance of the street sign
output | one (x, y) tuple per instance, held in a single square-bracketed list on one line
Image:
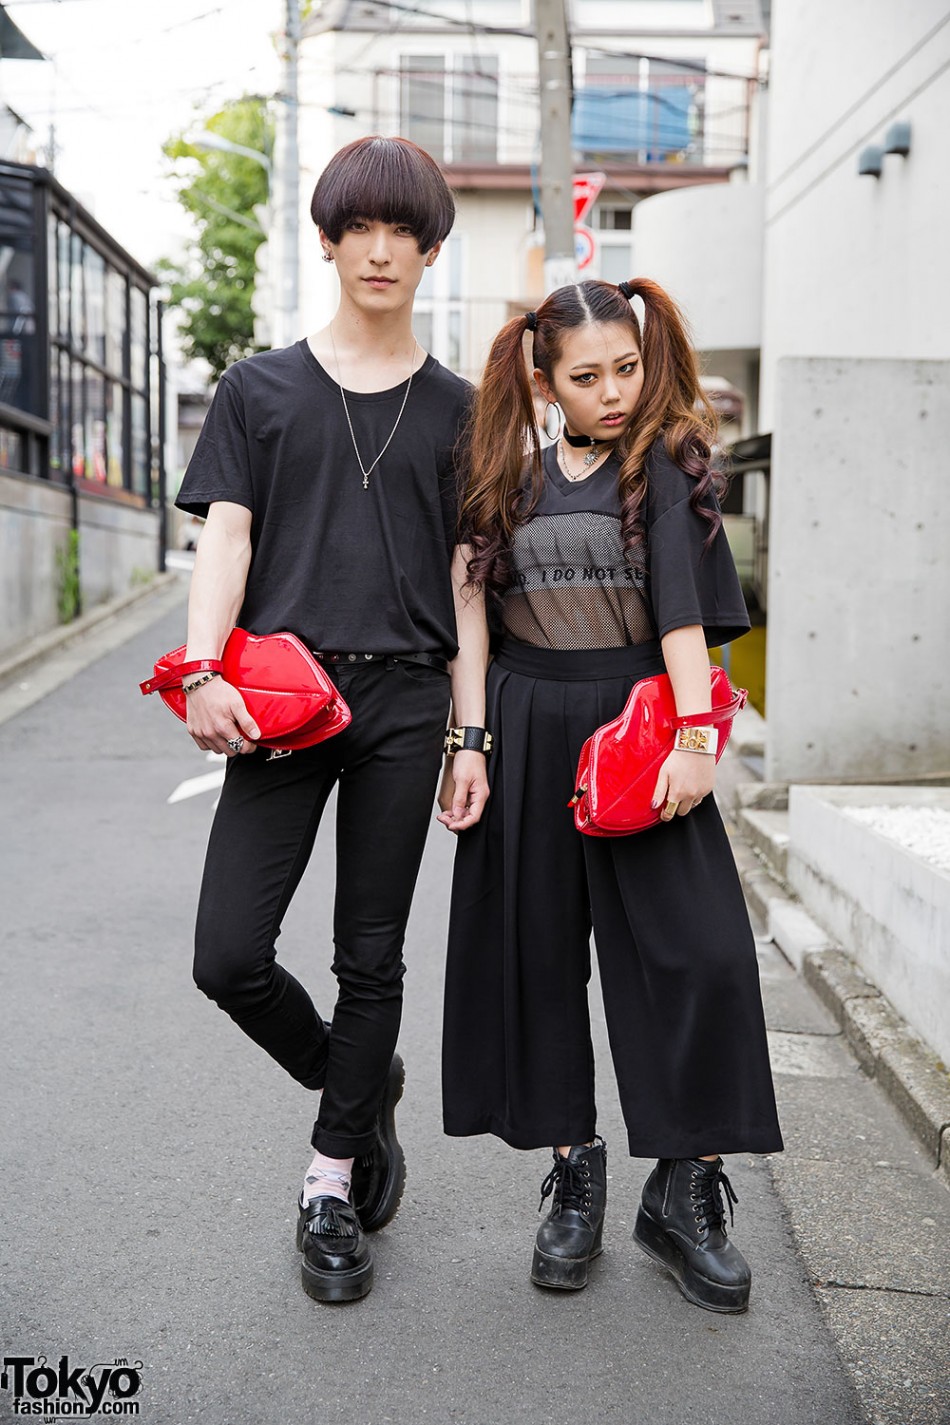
[(585, 247), (586, 188)]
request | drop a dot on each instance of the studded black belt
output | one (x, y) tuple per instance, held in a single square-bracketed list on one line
[(428, 660)]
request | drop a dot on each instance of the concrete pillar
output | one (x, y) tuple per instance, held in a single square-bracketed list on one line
[(858, 665)]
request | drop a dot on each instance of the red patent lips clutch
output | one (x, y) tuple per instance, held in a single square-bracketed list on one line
[(286, 690), (620, 762)]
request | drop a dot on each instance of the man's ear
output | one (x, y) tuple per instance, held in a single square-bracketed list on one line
[(432, 254)]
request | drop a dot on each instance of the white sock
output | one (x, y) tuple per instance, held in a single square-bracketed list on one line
[(328, 1177)]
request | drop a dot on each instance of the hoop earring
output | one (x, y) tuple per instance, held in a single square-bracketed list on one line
[(327, 256), (546, 421)]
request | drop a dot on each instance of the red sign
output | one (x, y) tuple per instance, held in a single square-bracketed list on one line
[(586, 188)]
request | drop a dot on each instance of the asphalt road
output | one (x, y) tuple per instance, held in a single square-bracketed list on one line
[(151, 1155)]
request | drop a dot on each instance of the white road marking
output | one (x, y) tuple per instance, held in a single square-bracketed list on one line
[(194, 786)]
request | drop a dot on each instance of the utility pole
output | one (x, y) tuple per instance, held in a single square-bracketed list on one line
[(285, 202), (557, 167)]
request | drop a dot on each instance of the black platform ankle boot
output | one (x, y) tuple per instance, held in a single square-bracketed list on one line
[(570, 1235), (682, 1224)]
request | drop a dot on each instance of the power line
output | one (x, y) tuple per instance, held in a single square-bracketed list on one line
[(517, 31)]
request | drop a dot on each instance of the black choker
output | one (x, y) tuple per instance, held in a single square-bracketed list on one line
[(579, 440)]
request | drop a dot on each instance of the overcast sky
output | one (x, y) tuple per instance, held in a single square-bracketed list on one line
[(123, 76)]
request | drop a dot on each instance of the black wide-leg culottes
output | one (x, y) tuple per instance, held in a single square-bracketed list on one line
[(674, 945)]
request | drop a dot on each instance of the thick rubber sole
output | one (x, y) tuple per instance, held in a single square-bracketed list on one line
[(385, 1205), (711, 1296), (562, 1273), (336, 1286)]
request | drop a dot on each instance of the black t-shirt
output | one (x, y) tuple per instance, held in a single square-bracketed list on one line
[(575, 588), (343, 567)]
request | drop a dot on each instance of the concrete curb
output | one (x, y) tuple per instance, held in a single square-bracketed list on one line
[(909, 1073), (20, 659)]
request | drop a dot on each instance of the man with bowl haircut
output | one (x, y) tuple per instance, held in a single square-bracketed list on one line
[(327, 474)]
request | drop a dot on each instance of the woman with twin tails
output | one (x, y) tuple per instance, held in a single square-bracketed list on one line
[(602, 560)]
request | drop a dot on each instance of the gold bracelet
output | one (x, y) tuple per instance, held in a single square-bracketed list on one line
[(697, 739)]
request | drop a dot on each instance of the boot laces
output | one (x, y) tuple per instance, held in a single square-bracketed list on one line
[(570, 1183), (706, 1192)]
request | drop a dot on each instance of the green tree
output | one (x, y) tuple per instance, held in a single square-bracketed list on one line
[(213, 286)]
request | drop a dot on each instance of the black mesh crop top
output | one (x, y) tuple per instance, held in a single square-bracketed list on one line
[(573, 588)]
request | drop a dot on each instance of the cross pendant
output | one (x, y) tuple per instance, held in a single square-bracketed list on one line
[(365, 482)]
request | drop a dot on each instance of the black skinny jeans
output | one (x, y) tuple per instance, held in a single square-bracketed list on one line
[(387, 763)]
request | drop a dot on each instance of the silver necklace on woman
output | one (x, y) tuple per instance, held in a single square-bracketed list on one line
[(346, 410), (590, 458)]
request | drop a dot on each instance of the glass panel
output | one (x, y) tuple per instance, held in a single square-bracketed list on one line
[(95, 427), (139, 447), (12, 453), (454, 257), (95, 306), (115, 321), (422, 326), (65, 285), (614, 220), (455, 339), (138, 334), (55, 414), (114, 399), (52, 265), (18, 354), (475, 110), (422, 101), (64, 413), (77, 318), (77, 374)]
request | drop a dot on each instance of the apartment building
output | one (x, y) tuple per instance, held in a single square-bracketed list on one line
[(664, 93)]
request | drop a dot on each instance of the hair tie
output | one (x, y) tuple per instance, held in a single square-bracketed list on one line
[(531, 321), (626, 289)]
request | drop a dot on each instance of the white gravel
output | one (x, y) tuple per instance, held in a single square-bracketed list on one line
[(924, 831)]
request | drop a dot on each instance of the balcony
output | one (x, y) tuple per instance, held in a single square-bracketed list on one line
[(476, 118)]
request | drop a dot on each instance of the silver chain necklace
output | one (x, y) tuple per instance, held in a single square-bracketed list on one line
[(590, 458), (346, 411)]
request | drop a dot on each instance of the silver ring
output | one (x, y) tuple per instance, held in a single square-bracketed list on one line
[(235, 743)]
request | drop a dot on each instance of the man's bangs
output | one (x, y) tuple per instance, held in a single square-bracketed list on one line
[(385, 181)]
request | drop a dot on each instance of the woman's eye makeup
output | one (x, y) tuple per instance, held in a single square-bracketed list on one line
[(587, 378)]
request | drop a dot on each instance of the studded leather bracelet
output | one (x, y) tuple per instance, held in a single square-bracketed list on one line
[(467, 739), (200, 682)]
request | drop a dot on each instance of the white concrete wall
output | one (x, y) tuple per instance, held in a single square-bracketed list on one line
[(118, 548), (888, 907), (704, 245), (856, 266), (858, 664), (34, 525)]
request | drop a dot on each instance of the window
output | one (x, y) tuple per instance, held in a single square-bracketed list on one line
[(645, 107), (615, 220), (475, 109), (437, 315), (422, 102), (614, 224), (449, 105), (19, 385)]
